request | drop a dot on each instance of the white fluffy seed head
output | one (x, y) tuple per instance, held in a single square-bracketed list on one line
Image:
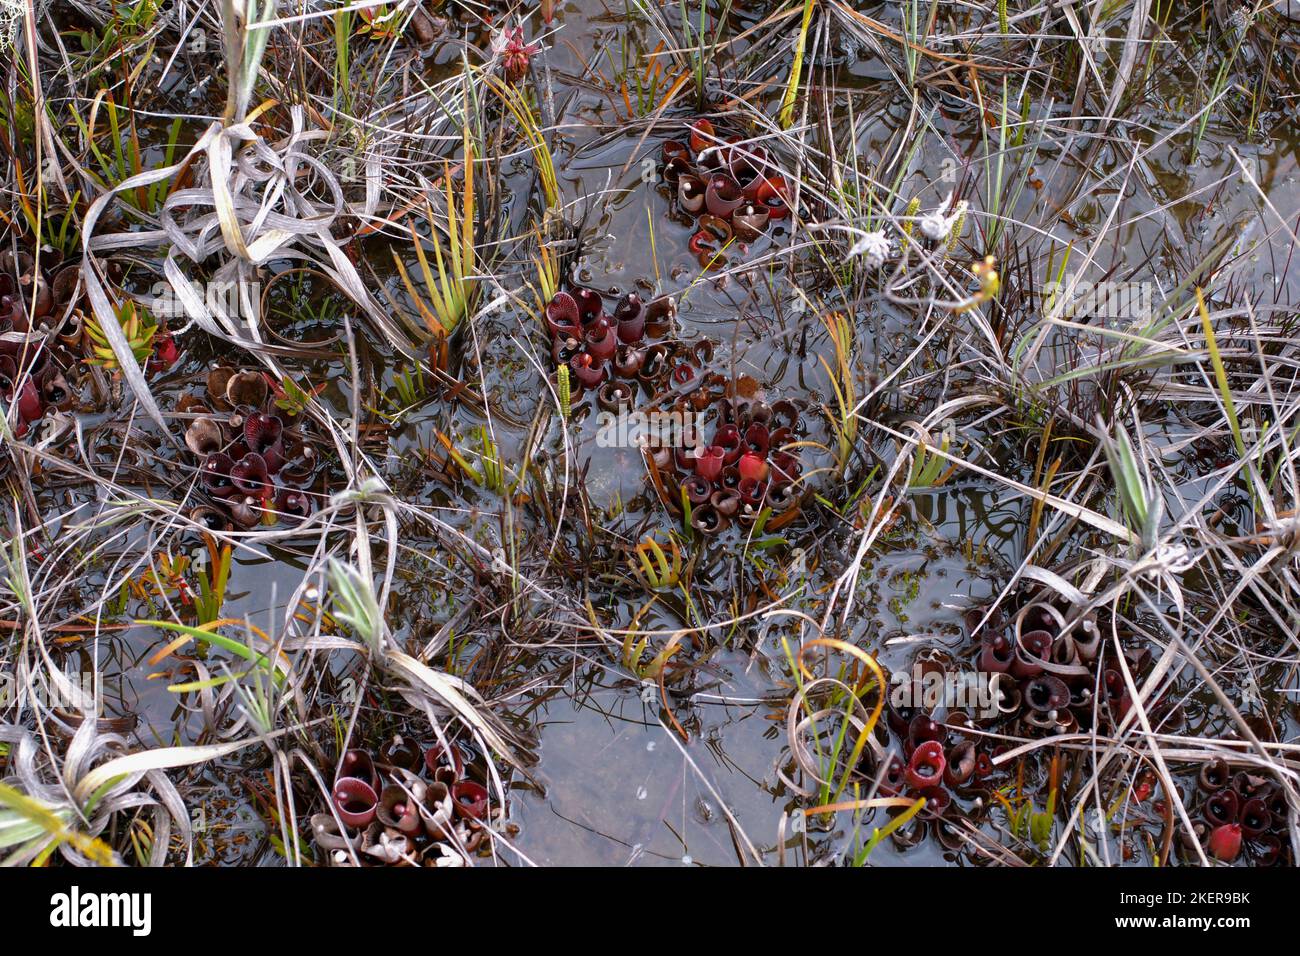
[(873, 248), (934, 226)]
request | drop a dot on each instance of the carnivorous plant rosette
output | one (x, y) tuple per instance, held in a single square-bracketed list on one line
[(40, 335), (1048, 664), (1241, 811), (598, 347), (407, 807), (729, 187), (934, 759), (747, 466), (1043, 670), (255, 466), (1024, 676)]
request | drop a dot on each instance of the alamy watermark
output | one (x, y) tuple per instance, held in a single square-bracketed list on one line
[(238, 300), (931, 689), (1080, 299), (79, 691), (652, 429), (86, 908)]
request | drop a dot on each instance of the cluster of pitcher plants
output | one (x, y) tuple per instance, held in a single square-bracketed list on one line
[(407, 805), (256, 466), (32, 367), (728, 187), (1042, 671), (1242, 812), (747, 466), (599, 348)]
